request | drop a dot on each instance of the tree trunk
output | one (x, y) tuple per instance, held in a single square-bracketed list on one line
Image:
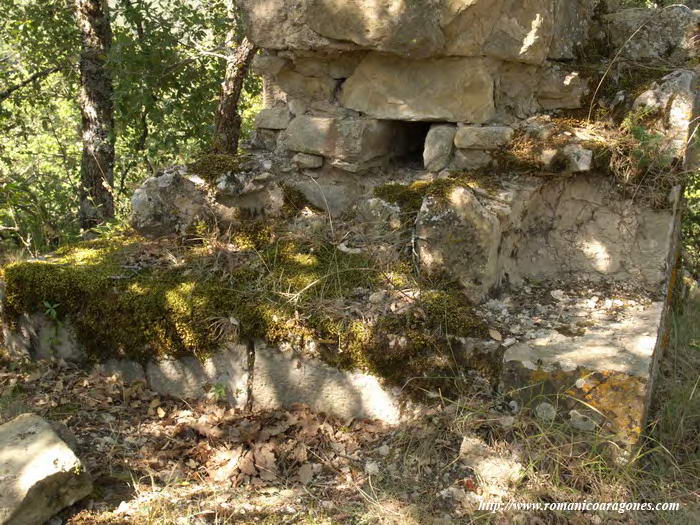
[(97, 166), (227, 126)]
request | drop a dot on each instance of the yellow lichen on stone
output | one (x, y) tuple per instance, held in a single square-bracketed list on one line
[(621, 398)]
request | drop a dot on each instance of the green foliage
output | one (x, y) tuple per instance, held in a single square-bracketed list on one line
[(650, 150), (167, 61), (691, 225)]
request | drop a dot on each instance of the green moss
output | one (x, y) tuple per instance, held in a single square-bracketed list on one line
[(409, 345), (123, 304), (253, 235), (164, 311), (409, 197), (295, 201), (212, 166)]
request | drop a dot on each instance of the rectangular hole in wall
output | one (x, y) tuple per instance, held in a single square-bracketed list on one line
[(409, 143)]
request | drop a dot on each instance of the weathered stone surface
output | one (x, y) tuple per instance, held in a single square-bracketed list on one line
[(307, 161), (39, 473), (574, 227), (524, 31), (572, 158), (166, 204), (273, 118), (182, 378), (571, 25), (483, 138), (267, 200), (579, 158), (513, 30), (468, 23), (296, 85), (406, 28), (438, 147), (266, 64), (336, 66), (281, 24), (313, 135), (351, 140), (189, 378), (560, 88), (441, 60), (39, 337), (458, 235), (363, 140), (281, 379), (515, 90), (470, 159), (389, 87), (265, 139), (665, 34), (127, 370), (330, 189), (675, 97), (378, 212), (610, 367), (532, 229)]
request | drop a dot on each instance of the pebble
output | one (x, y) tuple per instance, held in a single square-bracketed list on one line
[(581, 422), (545, 412)]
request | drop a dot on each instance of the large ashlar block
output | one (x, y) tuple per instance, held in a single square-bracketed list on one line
[(351, 140), (441, 89), (282, 378), (606, 374), (514, 30), (407, 28)]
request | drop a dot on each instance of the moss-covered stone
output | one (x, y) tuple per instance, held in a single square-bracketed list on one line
[(409, 197), (213, 166), (126, 297)]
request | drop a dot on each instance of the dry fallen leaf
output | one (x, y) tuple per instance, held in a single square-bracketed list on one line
[(265, 461), (495, 334), (229, 468), (306, 473), (246, 464)]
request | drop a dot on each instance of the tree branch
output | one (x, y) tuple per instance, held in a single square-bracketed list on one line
[(5, 94)]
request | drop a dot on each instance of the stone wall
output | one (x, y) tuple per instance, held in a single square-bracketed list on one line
[(342, 77), (346, 74)]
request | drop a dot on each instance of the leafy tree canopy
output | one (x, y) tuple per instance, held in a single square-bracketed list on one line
[(167, 62)]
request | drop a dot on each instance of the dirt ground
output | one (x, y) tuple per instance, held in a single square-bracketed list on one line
[(159, 461)]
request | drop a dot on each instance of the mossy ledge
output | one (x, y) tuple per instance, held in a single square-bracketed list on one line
[(213, 166), (409, 197), (132, 298)]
